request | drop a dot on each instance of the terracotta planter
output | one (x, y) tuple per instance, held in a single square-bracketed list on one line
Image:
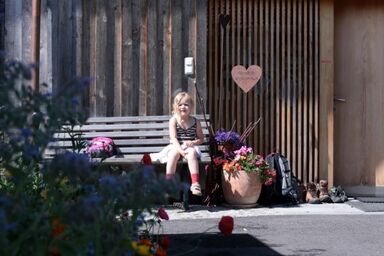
[(241, 188)]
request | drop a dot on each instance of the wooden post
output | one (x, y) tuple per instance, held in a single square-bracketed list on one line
[(36, 4)]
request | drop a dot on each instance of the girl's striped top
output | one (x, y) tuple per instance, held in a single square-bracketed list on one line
[(186, 134)]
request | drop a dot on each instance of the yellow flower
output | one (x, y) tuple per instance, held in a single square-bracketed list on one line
[(142, 249)]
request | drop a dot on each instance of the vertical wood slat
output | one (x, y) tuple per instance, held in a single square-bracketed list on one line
[(201, 52), (305, 92), (167, 46), (153, 94), (294, 87), (118, 58), (300, 167), (316, 94), (288, 82), (143, 70), (283, 120), (310, 91), (226, 94), (127, 92)]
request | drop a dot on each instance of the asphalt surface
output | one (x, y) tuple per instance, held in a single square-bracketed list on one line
[(327, 229)]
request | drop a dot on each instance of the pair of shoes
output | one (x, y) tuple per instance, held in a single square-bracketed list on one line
[(322, 191), (311, 196), (196, 189), (338, 195)]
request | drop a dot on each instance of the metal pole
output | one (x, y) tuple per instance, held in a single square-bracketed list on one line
[(36, 4)]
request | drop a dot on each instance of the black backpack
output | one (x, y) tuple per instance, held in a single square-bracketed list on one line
[(284, 188)]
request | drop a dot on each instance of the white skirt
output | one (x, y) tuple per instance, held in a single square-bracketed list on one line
[(162, 156)]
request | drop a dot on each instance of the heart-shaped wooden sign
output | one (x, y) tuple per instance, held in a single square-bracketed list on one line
[(224, 19), (246, 79)]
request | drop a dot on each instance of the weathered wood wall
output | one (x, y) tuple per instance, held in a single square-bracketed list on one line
[(283, 38), (132, 50)]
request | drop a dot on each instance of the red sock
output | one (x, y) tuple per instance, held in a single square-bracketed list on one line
[(169, 176), (195, 178)]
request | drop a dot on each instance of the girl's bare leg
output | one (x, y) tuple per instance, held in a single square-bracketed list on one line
[(193, 166), (173, 157), (193, 162)]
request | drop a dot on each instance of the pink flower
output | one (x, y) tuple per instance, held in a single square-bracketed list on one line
[(226, 225), (162, 214), (268, 182)]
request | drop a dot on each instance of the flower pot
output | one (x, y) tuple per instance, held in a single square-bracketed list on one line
[(241, 188)]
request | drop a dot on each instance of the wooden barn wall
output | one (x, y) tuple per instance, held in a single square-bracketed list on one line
[(282, 37), (132, 50)]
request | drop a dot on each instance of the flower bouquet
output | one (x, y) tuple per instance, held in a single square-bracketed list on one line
[(244, 159)]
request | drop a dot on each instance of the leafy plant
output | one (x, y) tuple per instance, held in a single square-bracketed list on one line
[(68, 205)]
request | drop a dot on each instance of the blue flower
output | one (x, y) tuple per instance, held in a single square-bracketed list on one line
[(108, 181), (26, 132)]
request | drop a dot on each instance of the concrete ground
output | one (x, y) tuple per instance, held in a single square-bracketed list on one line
[(324, 229)]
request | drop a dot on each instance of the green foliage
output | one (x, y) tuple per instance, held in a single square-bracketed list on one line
[(66, 206)]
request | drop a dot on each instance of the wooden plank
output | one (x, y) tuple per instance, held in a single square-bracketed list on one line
[(127, 92), (160, 90), (272, 72), (201, 53), (316, 92), (257, 91), (46, 65), (278, 78), (189, 42), (310, 92), (293, 99), (282, 96), (300, 165), (238, 48), (92, 57), (305, 91), (109, 70), (118, 60), (234, 88), (86, 47), (326, 121), (288, 86), (167, 51), (136, 53), (263, 78), (143, 71), (26, 16), (12, 41), (177, 58), (153, 99)]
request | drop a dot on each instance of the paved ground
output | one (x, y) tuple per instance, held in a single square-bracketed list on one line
[(326, 229)]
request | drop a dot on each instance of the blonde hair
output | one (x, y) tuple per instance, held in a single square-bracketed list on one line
[(182, 97)]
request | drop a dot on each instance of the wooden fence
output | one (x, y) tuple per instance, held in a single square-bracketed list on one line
[(282, 37)]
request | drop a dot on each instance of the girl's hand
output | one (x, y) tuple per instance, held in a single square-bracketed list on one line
[(189, 143)]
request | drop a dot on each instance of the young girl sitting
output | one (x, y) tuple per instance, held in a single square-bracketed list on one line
[(185, 134)]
